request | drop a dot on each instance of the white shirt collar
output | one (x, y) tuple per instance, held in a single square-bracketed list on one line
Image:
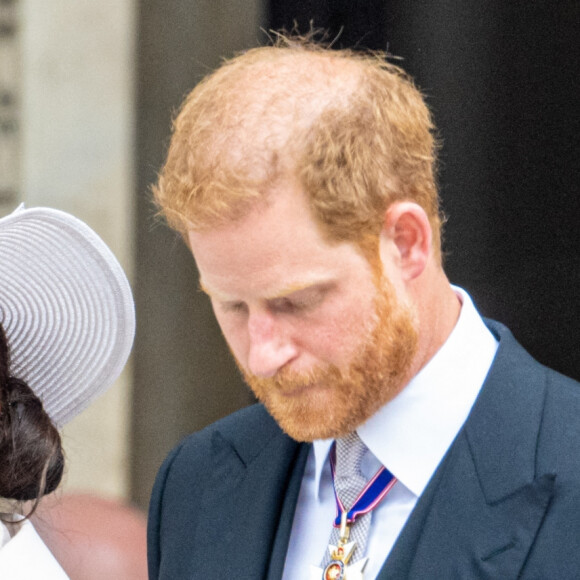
[(26, 557), (411, 434), (4, 534)]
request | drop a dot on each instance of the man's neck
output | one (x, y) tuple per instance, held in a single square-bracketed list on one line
[(437, 308)]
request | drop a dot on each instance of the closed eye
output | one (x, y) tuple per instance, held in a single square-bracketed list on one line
[(283, 306), (300, 301)]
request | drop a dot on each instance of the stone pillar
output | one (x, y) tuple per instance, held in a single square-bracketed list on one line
[(76, 154)]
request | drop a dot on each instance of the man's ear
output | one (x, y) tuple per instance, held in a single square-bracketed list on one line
[(408, 229)]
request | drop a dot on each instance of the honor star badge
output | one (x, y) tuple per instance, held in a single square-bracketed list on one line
[(338, 568)]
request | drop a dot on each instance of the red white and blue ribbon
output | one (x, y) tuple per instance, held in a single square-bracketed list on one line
[(372, 494)]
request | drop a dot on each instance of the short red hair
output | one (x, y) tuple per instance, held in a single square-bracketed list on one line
[(351, 128)]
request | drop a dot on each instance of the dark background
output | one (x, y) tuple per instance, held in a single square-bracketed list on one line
[(502, 80)]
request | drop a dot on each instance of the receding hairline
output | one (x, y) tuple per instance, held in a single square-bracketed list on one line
[(279, 94), (267, 99), (256, 113)]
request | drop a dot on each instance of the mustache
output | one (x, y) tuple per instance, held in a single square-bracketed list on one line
[(289, 380)]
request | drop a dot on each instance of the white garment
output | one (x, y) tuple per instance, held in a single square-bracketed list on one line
[(24, 556), (410, 436)]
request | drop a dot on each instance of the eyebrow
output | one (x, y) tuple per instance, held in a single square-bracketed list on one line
[(293, 289), (283, 293)]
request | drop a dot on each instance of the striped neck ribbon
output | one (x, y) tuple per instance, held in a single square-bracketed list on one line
[(369, 498)]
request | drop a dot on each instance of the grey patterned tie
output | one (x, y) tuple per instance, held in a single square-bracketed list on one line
[(349, 482)]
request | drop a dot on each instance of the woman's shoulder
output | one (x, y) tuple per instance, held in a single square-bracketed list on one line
[(24, 556)]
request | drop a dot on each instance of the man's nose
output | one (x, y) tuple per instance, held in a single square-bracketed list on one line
[(270, 348)]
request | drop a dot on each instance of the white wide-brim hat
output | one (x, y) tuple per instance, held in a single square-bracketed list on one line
[(66, 308)]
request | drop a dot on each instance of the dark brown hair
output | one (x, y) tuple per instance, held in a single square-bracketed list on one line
[(31, 457)]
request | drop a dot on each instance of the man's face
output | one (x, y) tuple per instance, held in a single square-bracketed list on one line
[(321, 343)]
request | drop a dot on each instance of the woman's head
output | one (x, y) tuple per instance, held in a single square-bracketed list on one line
[(31, 456)]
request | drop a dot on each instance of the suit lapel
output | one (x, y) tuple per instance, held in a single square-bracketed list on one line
[(480, 513), (249, 482)]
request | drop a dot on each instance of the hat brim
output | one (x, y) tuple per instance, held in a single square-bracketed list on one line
[(66, 308)]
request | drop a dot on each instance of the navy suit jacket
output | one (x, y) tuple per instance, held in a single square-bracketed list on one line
[(504, 502)]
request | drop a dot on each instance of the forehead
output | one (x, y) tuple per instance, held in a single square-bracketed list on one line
[(276, 248), (261, 103)]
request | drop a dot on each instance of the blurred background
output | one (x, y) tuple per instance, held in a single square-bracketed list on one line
[(88, 90)]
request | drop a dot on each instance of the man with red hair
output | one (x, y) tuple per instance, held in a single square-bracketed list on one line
[(398, 434)]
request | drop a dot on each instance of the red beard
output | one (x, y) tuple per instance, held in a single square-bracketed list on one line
[(328, 402)]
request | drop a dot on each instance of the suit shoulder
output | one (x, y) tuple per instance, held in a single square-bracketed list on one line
[(190, 463), (515, 364), (559, 440), (247, 430), (525, 392), (562, 399), (564, 385)]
